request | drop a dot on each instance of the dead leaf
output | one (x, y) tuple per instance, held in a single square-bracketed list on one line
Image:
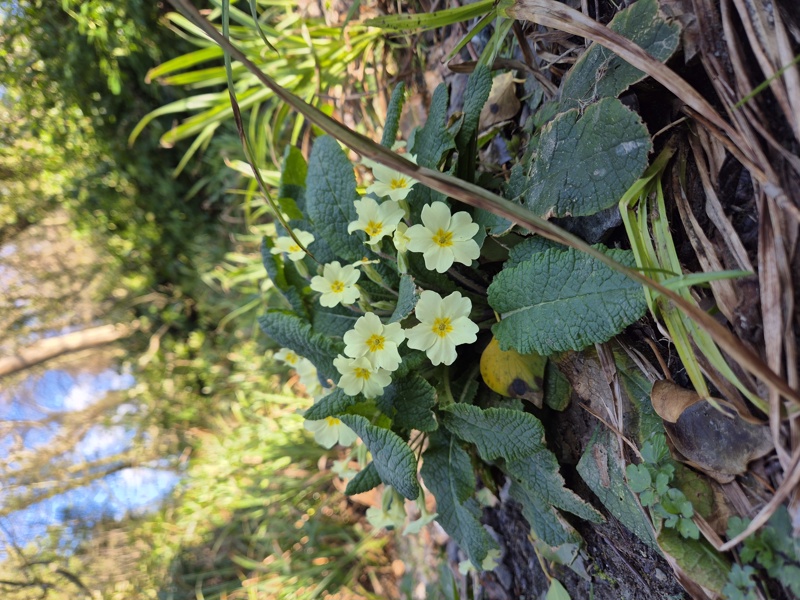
[(717, 442), (503, 103)]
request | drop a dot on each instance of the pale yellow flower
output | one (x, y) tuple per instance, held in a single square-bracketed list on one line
[(444, 238), (389, 182), (286, 245), (375, 341), (443, 324), (360, 377), (336, 284), (376, 220), (331, 431)]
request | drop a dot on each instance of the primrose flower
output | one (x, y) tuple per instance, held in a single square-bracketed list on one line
[(287, 357), (444, 239), (307, 373), (360, 377), (331, 431), (286, 244), (377, 342), (376, 220), (336, 284), (443, 324), (389, 182)]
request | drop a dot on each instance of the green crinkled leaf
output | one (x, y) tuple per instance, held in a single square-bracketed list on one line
[(392, 457), (412, 360), (364, 481), (290, 331), (557, 389), (563, 300), (393, 115), (330, 194), (335, 321), (527, 248), (601, 468), (292, 188), (407, 299), (412, 400), (585, 164), (448, 474), (332, 405), (432, 141), (697, 558), (518, 438), (549, 525), (479, 86), (599, 73)]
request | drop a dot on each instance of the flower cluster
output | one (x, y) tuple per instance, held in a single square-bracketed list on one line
[(372, 347)]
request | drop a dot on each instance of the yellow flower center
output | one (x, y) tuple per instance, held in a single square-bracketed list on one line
[(291, 358), (398, 183), (374, 228), (362, 373), (294, 248), (442, 326), (332, 421), (337, 287), (443, 238), (375, 342)]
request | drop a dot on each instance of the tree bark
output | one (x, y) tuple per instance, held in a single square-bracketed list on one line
[(46, 349)]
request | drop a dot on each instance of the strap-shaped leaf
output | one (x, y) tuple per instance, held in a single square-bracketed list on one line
[(406, 300), (277, 272), (393, 115), (448, 474), (411, 400), (335, 321), (330, 196), (364, 481), (391, 456), (585, 163), (292, 188), (550, 526), (518, 438), (479, 86), (290, 331), (563, 300), (432, 141), (332, 405)]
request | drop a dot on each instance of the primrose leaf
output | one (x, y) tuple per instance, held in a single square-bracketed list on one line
[(599, 73), (433, 140), (393, 115), (332, 405), (392, 457), (335, 321), (411, 399), (479, 86), (697, 558), (330, 196), (601, 468), (525, 250), (584, 164), (518, 437), (550, 526), (364, 481), (292, 188), (290, 331), (563, 300), (277, 271), (406, 300), (447, 472)]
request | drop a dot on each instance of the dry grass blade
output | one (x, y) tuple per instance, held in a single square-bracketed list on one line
[(474, 195)]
